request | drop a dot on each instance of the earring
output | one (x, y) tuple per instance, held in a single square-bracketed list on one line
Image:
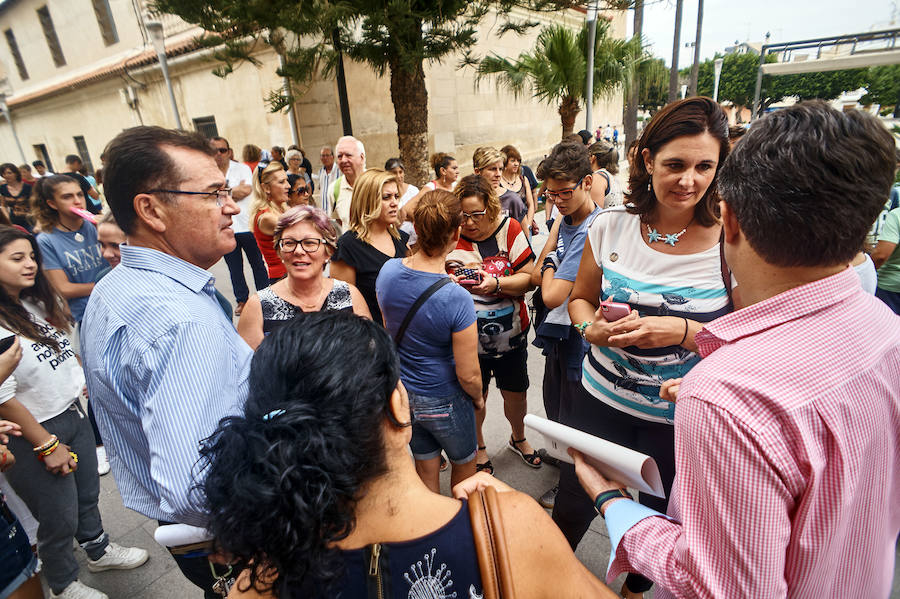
[(650, 182)]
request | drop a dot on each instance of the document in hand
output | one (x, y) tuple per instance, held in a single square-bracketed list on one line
[(637, 470)]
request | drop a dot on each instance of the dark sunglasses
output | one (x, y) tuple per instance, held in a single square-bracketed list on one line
[(223, 150)]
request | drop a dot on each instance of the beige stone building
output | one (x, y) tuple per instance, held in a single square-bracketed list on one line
[(79, 71)]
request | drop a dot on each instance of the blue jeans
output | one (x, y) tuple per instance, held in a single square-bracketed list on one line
[(446, 423), (236, 266), (19, 563)]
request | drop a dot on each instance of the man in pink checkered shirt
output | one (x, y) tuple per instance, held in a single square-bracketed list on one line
[(787, 434)]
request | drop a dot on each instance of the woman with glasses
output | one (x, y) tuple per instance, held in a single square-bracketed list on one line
[(493, 260), (297, 165), (300, 194), (270, 195), (304, 241), (373, 238), (606, 190)]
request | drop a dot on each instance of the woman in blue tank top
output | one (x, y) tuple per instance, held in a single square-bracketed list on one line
[(314, 487)]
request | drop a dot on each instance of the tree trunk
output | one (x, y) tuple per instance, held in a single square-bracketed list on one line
[(631, 107), (410, 98), (673, 73), (695, 69), (568, 112)]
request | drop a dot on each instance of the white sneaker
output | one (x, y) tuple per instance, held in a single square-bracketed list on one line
[(76, 590), (102, 461), (119, 558)]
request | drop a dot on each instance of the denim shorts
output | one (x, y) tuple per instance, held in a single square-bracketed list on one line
[(19, 563), (446, 423)]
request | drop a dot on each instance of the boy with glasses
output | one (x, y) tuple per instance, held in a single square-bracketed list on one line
[(566, 173)]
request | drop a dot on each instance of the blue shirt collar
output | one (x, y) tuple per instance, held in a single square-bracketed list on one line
[(191, 276)]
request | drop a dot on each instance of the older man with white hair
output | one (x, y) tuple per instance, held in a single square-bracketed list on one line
[(351, 159)]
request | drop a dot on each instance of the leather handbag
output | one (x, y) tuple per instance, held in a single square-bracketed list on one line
[(490, 545)]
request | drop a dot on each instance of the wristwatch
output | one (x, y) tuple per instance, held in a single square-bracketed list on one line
[(607, 495)]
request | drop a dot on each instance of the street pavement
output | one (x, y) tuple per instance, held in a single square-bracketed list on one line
[(160, 578)]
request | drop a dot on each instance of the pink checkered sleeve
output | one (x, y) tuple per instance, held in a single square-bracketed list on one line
[(733, 514)]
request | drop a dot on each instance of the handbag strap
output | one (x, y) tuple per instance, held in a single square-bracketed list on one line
[(416, 305), (489, 537)]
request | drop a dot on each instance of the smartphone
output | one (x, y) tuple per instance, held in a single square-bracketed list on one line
[(470, 276), (614, 310), (6, 343)]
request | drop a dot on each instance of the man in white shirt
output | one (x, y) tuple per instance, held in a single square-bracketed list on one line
[(239, 178), (351, 159), (327, 175)]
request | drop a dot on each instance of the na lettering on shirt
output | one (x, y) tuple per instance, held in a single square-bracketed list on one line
[(47, 354), (83, 259)]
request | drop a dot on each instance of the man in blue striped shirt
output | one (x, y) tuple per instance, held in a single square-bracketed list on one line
[(163, 363)]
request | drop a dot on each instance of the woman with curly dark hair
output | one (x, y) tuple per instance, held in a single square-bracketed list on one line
[(313, 486)]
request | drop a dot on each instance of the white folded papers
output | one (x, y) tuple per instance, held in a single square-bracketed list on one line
[(636, 470)]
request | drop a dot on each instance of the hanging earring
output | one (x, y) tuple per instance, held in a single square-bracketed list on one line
[(650, 182)]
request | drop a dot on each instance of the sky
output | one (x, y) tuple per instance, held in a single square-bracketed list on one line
[(725, 21)]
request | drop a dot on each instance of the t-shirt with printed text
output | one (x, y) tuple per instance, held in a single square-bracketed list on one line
[(80, 260)]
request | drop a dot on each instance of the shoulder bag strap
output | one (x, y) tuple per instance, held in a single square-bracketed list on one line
[(416, 305), (490, 545)]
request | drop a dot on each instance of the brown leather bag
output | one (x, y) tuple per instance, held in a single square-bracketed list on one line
[(490, 545)]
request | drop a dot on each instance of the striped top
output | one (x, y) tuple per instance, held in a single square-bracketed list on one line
[(163, 365), (655, 284)]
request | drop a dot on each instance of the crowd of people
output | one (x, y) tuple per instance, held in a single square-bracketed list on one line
[(716, 312)]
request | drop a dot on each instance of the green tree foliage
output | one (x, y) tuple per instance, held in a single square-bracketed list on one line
[(392, 36), (738, 82), (555, 71), (652, 79), (883, 87)]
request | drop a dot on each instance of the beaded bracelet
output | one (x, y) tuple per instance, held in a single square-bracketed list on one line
[(43, 454), (582, 328)]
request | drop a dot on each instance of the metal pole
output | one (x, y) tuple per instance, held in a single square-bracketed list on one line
[(589, 83), (759, 74), (157, 36), (292, 118), (5, 108), (717, 67), (343, 100), (163, 63)]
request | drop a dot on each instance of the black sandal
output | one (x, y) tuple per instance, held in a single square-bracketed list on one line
[(484, 466), (532, 459)]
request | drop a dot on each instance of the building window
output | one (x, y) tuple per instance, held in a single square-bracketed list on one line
[(106, 22), (50, 35), (17, 56), (40, 150), (206, 126), (83, 152)]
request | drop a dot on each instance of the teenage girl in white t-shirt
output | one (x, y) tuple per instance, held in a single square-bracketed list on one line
[(56, 466)]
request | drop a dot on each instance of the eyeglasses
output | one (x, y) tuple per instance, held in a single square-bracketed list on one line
[(223, 150), (309, 245), (300, 191), (220, 195), (475, 216), (563, 194)]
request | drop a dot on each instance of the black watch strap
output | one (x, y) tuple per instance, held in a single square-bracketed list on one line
[(607, 495)]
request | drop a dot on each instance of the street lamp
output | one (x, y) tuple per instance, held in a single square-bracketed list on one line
[(4, 108), (717, 66), (155, 29)]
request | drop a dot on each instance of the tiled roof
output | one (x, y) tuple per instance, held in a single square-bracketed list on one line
[(138, 59)]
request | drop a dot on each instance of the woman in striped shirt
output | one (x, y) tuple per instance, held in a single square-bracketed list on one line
[(660, 254)]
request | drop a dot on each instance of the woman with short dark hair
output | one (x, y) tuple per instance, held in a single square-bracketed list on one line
[(439, 347)]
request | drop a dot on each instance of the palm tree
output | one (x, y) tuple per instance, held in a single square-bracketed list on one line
[(556, 70)]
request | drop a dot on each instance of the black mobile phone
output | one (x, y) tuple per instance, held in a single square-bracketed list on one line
[(6, 343)]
